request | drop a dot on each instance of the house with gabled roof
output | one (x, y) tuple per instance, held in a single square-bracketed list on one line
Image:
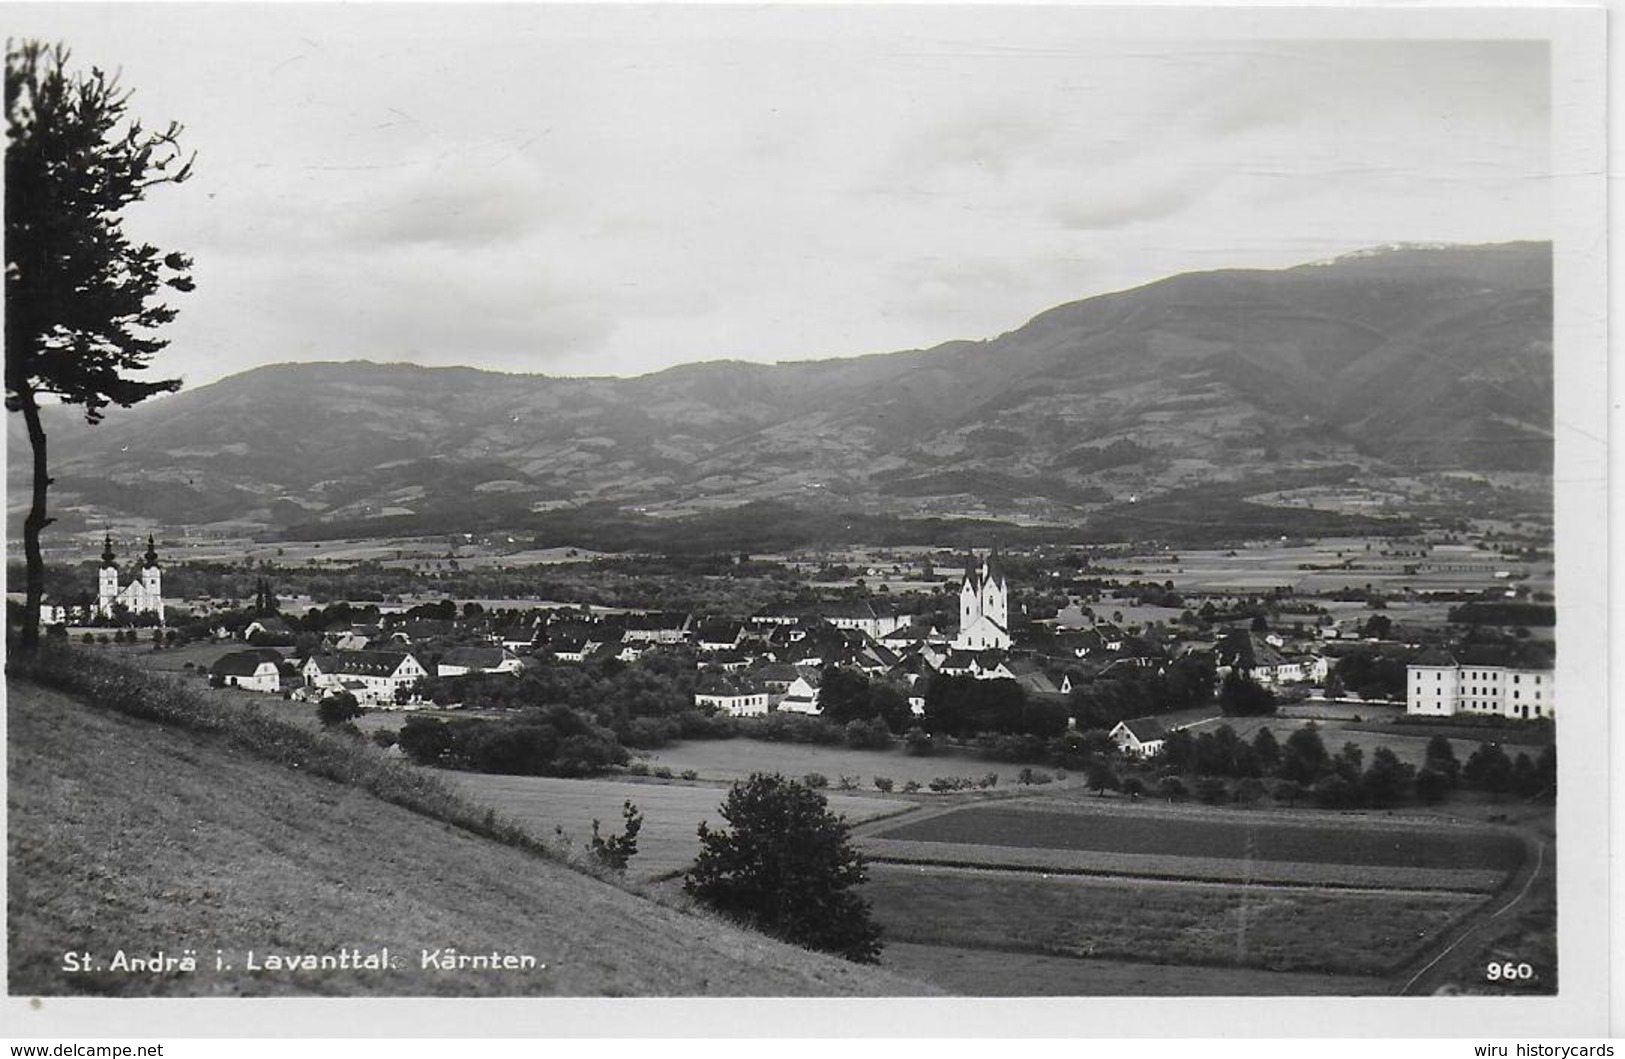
[(802, 694), (253, 670), (1142, 737), (735, 696), (460, 661), (374, 677)]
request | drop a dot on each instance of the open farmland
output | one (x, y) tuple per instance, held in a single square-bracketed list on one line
[(1160, 922), (1329, 564), (736, 759), (993, 972), (671, 811), (1309, 839)]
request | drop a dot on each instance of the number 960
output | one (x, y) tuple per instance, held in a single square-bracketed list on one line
[(1509, 972)]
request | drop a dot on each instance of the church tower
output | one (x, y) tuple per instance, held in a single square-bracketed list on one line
[(152, 580), (984, 605), (107, 579)]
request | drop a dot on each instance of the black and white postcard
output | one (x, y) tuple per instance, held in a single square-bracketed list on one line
[(1071, 519)]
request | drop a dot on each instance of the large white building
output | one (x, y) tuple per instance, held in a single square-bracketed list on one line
[(143, 595), (1480, 683), (984, 606)]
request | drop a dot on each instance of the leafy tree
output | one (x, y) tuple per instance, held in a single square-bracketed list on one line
[(81, 314), (1488, 767), (1441, 758), (1101, 778), (1432, 786), (1241, 696), (1386, 779), (1267, 749), (337, 709), (1305, 757), (844, 695), (787, 868)]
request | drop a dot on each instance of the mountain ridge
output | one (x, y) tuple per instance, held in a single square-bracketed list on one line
[(1409, 359)]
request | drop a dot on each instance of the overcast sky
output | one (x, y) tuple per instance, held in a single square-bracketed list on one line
[(613, 190)]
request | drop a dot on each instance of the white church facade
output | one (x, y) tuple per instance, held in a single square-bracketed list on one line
[(984, 606), (144, 594)]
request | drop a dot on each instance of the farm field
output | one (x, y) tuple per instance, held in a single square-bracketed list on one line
[(671, 811), (1226, 926), (1042, 824), (1266, 565), (993, 972), (736, 759), (1178, 868)]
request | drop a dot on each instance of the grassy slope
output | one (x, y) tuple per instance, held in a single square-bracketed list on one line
[(125, 834)]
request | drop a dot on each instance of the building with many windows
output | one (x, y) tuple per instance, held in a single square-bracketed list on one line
[(1479, 681)]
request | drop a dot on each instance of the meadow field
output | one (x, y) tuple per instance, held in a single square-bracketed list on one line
[(1347, 840), (736, 759), (1149, 921), (672, 811), (1111, 894)]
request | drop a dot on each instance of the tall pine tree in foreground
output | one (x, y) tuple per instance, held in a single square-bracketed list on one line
[(81, 299)]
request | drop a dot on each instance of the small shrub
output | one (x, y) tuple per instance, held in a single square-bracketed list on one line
[(384, 738), (815, 781), (918, 741), (1029, 776), (911, 786), (847, 783), (638, 768), (661, 772), (1173, 788), (883, 784), (990, 780), (615, 851), (1212, 790), (689, 774)]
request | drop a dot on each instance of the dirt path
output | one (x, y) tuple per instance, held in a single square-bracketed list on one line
[(1453, 961)]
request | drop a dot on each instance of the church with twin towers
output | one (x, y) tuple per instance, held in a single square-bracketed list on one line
[(984, 605), (143, 594)]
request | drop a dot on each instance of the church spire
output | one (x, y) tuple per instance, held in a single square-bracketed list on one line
[(150, 560), (108, 558)]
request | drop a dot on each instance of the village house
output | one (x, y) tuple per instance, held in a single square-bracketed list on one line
[(463, 660), (657, 628), (374, 677), (733, 696), (252, 670), (1141, 737), (802, 694), (862, 616)]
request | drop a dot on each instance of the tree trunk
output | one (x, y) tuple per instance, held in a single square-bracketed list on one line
[(35, 522)]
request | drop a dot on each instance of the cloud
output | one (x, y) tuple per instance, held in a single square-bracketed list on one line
[(1103, 205)]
